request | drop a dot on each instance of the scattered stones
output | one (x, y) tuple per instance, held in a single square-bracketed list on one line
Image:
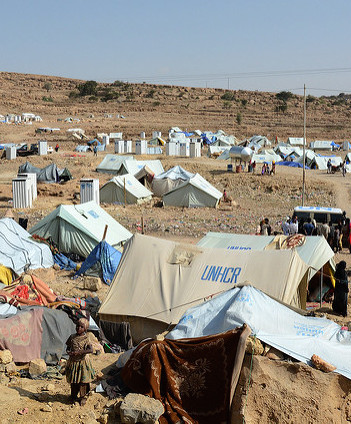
[(5, 356), (137, 408), (37, 367), (11, 368), (92, 283), (50, 387)]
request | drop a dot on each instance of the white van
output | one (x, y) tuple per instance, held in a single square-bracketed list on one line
[(320, 214)]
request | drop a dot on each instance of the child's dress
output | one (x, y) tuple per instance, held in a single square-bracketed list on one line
[(79, 368)]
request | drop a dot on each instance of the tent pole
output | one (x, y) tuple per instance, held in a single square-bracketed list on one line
[(304, 146), (320, 288), (125, 194), (105, 231)]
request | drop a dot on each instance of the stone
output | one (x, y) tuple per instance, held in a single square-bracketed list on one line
[(137, 408), (321, 364), (27, 279), (5, 356), (50, 387), (37, 367), (275, 354), (254, 346), (103, 419), (56, 267), (46, 408), (11, 368), (92, 283)]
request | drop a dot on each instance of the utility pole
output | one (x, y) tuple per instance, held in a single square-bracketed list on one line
[(304, 146), (228, 83)]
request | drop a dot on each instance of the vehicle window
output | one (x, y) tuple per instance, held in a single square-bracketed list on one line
[(335, 218), (303, 215), (320, 217)]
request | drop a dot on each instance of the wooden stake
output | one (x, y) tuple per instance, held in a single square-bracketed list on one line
[(105, 231)]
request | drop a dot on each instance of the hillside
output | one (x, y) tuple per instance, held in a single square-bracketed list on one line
[(158, 107)]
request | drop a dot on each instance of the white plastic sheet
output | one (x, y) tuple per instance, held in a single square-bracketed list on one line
[(271, 322)]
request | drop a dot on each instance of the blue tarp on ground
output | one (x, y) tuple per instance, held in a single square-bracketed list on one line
[(64, 263), (292, 164), (107, 256), (95, 141)]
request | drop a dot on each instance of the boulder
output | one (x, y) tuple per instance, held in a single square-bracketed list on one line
[(5, 356), (254, 346), (92, 283), (137, 408), (37, 367), (11, 368), (321, 364), (275, 354)]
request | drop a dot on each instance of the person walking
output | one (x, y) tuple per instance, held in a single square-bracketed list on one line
[(341, 289), (95, 150)]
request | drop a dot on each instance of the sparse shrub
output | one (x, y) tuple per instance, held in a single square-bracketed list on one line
[(282, 107), (238, 118), (47, 99), (228, 96), (157, 103), (89, 88), (150, 94), (284, 96), (93, 98), (227, 104), (47, 86), (73, 94), (244, 102)]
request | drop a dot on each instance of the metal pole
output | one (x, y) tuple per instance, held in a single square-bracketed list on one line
[(304, 146), (125, 193), (320, 289)]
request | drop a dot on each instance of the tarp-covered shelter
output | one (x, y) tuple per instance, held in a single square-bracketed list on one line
[(79, 228), (18, 251), (169, 180), (111, 164), (124, 189), (193, 193), (271, 322), (140, 168), (102, 262), (49, 174), (157, 280)]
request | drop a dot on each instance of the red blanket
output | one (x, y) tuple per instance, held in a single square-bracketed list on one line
[(193, 378)]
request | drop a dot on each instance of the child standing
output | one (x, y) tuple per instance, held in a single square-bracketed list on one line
[(79, 369)]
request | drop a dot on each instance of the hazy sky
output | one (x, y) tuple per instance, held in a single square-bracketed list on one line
[(249, 44)]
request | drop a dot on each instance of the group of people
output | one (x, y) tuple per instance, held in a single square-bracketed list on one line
[(266, 170), (330, 167)]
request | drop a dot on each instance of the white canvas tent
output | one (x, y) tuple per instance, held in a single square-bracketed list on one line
[(295, 141), (19, 251), (266, 156), (124, 189), (315, 251), (193, 193), (111, 164), (157, 280), (135, 167), (168, 180), (79, 228)]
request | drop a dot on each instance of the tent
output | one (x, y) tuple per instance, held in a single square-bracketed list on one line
[(49, 174), (157, 280), (169, 180), (79, 228), (18, 251), (267, 156), (124, 189), (193, 193), (273, 323), (295, 141), (315, 251), (135, 167), (102, 262), (111, 164)]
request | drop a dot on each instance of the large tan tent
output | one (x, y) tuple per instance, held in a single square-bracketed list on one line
[(158, 280), (124, 189)]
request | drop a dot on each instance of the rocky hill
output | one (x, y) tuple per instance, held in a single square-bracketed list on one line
[(150, 107)]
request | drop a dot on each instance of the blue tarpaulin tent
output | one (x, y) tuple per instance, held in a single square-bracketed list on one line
[(292, 164), (103, 260)]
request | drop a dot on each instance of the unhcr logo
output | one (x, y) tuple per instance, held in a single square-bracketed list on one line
[(221, 274)]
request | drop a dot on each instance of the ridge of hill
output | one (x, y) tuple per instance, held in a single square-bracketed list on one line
[(158, 107)]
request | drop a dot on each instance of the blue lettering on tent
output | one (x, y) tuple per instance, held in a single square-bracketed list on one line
[(239, 248), (221, 274), (308, 330)]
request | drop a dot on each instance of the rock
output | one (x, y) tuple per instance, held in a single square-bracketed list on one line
[(27, 279), (46, 408), (50, 387), (5, 356), (275, 354), (92, 283), (56, 267), (37, 367), (11, 368), (103, 419), (254, 346), (321, 364), (137, 408)]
